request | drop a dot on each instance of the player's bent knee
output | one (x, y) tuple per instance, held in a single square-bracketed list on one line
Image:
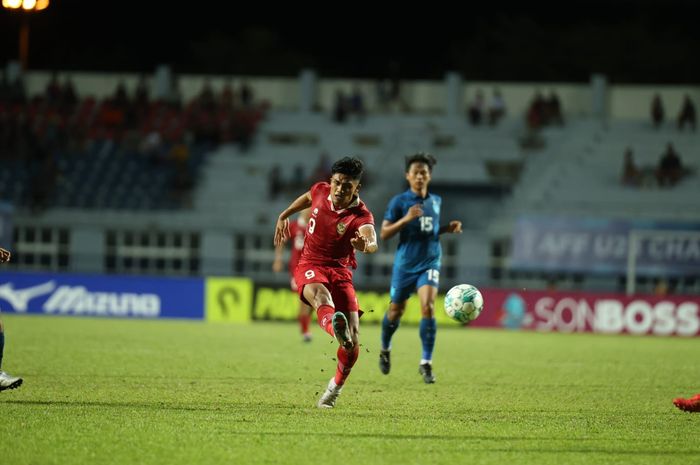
[(320, 296), (428, 311), (396, 311)]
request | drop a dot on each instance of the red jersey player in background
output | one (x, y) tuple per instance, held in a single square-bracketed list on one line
[(297, 231), (688, 405), (340, 224)]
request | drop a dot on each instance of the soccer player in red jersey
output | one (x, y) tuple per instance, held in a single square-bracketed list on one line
[(297, 231), (688, 405), (7, 381), (340, 224)]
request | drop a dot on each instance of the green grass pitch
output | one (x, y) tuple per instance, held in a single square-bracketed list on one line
[(174, 392)]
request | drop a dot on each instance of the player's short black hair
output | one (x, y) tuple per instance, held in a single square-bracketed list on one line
[(352, 167), (421, 157)]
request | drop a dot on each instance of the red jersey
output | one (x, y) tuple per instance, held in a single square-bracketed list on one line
[(329, 231), (296, 234)]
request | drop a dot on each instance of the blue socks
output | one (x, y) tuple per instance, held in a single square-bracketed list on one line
[(2, 346), (388, 330), (428, 328)]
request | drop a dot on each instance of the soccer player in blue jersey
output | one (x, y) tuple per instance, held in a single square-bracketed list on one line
[(415, 215)]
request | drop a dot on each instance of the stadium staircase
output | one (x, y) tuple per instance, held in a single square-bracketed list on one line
[(579, 175)]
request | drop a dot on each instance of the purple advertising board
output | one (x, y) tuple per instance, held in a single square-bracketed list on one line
[(570, 312), (601, 246)]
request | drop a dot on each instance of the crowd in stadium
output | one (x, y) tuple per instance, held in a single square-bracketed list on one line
[(45, 136)]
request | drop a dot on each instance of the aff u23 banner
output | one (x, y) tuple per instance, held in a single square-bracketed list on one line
[(102, 296), (602, 246)]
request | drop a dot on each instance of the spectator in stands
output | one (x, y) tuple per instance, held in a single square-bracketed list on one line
[(227, 96), (53, 90), (497, 108), (357, 103), (536, 112), (383, 91), (631, 175), (392, 87), (206, 99), (389, 89), (69, 97), (340, 107), (670, 167), (553, 113), (275, 184), (54, 134), (246, 97), (174, 97), (687, 114), (121, 97), (657, 111), (476, 108)]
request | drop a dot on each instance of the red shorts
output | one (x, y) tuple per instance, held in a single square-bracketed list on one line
[(337, 280)]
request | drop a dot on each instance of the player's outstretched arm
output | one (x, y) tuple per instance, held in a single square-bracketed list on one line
[(390, 229), (277, 264), (282, 227), (453, 227), (4, 255), (365, 239)]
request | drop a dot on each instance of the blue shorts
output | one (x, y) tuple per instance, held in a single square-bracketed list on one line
[(404, 284)]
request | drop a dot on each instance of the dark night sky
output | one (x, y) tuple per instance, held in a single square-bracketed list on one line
[(630, 41)]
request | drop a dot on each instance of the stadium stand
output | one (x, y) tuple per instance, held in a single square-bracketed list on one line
[(111, 154), (185, 187)]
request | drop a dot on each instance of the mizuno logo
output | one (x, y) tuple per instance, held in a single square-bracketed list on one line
[(19, 298), (78, 300)]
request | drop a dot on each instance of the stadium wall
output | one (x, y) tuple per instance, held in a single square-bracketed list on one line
[(240, 300)]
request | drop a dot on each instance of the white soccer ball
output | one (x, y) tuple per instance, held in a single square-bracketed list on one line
[(464, 303)]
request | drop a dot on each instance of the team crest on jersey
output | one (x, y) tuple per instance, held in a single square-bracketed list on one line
[(341, 227)]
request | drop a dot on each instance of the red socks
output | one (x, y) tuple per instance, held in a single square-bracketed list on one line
[(325, 318), (346, 360), (304, 320)]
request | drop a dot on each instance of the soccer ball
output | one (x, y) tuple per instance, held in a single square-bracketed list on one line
[(464, 303)]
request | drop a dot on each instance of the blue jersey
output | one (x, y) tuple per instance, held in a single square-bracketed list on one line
[(419, 244)]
